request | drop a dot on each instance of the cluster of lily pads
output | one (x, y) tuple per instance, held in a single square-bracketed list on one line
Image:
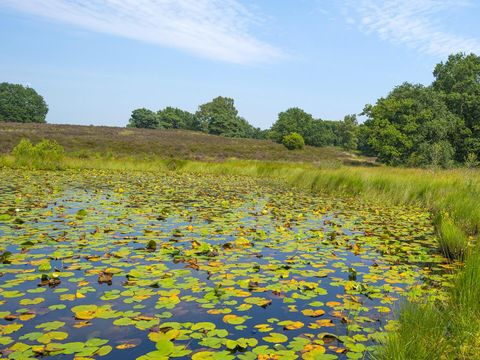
[(128, 265)]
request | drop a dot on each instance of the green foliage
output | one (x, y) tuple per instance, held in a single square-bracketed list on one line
[(323, 133), (143, 118), (174, 118), (293, 120), (21, 104), (458, 80), (293, 141), (217, 117), (421, 326), (436, 125), (452, 240), (315, 132), (453, 326), (47, 155), (220, 117), (471, 161), (348, 133), (433, 155), (412, 125)]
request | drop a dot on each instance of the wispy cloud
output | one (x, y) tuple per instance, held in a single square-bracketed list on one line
[(215, 29), (416, 23)]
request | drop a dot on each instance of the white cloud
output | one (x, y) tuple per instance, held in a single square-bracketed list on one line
[(415, 23), (214, 29)]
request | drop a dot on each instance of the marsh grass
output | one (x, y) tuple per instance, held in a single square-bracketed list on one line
[(420, 335), (448, 330)]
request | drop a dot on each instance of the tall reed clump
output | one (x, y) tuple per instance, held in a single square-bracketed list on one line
[(420, 335), (45, 155)]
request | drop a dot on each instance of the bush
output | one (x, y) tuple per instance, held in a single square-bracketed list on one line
[(293, 141), (47, 155)]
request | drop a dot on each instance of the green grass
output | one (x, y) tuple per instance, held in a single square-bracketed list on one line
[(421, 334), (448, 330)]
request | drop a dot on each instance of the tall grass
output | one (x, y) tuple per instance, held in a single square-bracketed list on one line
[(420, 336), (448, 330)]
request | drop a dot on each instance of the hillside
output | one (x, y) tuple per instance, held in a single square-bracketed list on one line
[(117, 141)]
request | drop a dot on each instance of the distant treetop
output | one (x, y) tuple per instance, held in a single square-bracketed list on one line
[(21, 104), (217, 117)]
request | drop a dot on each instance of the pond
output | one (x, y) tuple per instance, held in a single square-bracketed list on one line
[(125, 265)]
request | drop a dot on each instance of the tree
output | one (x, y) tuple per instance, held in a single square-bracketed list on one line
[(348, 133), (458, 80), (174, 118), (411, 115), (21, 104), (220, 117), (293, 120), (143, 118), (322, 133)]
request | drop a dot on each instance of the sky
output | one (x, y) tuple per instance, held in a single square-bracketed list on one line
[(94, 61)]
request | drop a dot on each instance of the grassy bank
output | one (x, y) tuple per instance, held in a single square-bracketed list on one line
[(448, 330)]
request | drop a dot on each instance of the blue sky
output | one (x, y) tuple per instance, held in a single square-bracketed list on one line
[(94, 61)]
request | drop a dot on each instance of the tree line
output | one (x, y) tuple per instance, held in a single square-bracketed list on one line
[(413, 125), (438, 124), (217, 117), (220, 117)]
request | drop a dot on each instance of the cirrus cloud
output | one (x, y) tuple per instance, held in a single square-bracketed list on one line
[(419, 24), (214, 29)]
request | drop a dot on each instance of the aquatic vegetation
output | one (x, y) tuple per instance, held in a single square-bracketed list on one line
[(175, 265)]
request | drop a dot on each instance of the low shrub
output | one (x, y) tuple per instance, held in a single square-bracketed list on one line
[(46, 155), (293, 141)]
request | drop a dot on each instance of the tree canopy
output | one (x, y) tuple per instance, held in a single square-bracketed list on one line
[(403, 125), (458, 81), (21, 104), (217, 117), (420, 125), (175, 118), (348, 133), (316, 132), (144, 118)]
